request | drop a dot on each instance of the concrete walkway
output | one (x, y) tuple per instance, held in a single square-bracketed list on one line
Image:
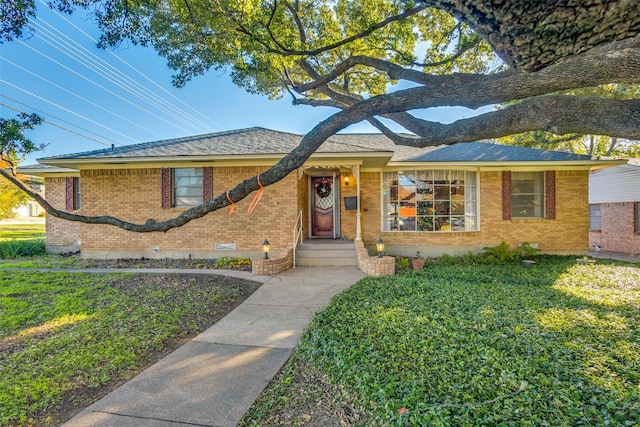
[(213, 379)]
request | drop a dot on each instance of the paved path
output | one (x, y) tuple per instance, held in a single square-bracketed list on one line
[(213, 379)]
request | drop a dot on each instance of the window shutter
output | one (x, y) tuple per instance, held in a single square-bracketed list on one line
[(506, 194), (550, 194), (207, 184), (68, 193), (166, 187)]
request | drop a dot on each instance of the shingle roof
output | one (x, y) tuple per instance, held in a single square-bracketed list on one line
[(252, 141), (236, 142), (485, 152)]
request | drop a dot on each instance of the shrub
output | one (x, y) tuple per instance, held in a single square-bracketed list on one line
[(528, 251), (232, 263), (21, 248), (402, 263), (500, 253)]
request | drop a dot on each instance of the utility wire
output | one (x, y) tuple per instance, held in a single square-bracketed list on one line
[(139, 72), (100, 86), (89, 60), (68, 111), (60, 119), (81, 97), (56, 125)]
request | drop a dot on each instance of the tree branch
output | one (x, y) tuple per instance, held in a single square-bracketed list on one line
[(296, 18), (617, 62), (281, 50), (559, 114)]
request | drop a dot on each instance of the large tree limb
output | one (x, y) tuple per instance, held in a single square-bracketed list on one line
[(617, 62), (559, 114), (531, 35)]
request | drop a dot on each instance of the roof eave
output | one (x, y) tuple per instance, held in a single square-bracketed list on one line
[(376, 158), (523, 164)]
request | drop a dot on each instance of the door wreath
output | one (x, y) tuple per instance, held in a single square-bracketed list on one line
[(323, 189)]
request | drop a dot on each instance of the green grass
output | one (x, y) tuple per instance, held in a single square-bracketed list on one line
[(21, 240), (557, 344), (21, 231), (64, 335)]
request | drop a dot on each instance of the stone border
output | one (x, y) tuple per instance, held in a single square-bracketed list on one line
[(372, 265), (272, 266)]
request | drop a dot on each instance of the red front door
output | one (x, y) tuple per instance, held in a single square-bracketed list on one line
[(322, 202)]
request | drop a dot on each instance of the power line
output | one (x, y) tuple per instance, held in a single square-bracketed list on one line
[(137, 71), (68, 111), (97, 65), (81, 97), (144, 92), (100, 86), (60, 119), (56, 125)]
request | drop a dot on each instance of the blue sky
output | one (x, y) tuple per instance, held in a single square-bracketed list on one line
[(40, 75)]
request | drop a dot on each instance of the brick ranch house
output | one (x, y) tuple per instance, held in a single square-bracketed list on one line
[(445, 199), (614, 208)]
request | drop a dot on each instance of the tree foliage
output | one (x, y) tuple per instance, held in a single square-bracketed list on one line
[(382, 60), (10, 198), (14, 145)]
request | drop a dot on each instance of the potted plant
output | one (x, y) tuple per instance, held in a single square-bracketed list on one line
[(417, 262), (527, 252)]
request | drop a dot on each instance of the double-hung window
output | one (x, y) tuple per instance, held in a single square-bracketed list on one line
[(187, 187), (76, 193), (527, 195), (595, 218), (430, 201)]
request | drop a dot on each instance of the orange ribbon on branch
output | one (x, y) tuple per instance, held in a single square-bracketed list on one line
[(233, 205), (257, 196)]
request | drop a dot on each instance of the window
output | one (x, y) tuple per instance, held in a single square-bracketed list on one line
[(430, 200), (72, 193), (637, 215), (187, 187), (527, 195), (595, 219), (76, 193)]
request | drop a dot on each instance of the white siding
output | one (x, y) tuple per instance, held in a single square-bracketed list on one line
[(618, 184)]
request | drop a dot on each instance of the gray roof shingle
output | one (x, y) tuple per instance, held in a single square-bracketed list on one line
[(256, 140)]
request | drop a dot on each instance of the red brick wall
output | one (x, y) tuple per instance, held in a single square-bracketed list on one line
[(617, 231)]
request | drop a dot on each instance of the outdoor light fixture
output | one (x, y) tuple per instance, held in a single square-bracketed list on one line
[(346, 180), (265, 248), (380, 247)]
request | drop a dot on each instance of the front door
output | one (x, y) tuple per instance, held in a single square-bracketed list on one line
[(322, 203)]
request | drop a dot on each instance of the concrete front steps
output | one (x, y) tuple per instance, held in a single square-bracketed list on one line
[(326, 252)]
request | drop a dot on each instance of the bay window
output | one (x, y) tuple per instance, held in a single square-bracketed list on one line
[(430, 201)]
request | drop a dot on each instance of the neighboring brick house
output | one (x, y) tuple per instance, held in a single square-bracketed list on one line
[(614, 208), (446, 199)]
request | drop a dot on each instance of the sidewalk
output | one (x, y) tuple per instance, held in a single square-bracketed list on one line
[(213, 379)]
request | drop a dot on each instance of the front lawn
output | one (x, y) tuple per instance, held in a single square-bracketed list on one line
[(68, 338), (21, 240), (556, 344)]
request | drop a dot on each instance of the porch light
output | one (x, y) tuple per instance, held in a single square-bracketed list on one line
[(380, 247), (346, 180), (265, 248)]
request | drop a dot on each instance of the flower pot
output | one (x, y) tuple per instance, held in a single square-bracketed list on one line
[(418, 263)]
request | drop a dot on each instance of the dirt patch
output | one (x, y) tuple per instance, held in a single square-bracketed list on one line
[(75, 401), (74, 261)]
